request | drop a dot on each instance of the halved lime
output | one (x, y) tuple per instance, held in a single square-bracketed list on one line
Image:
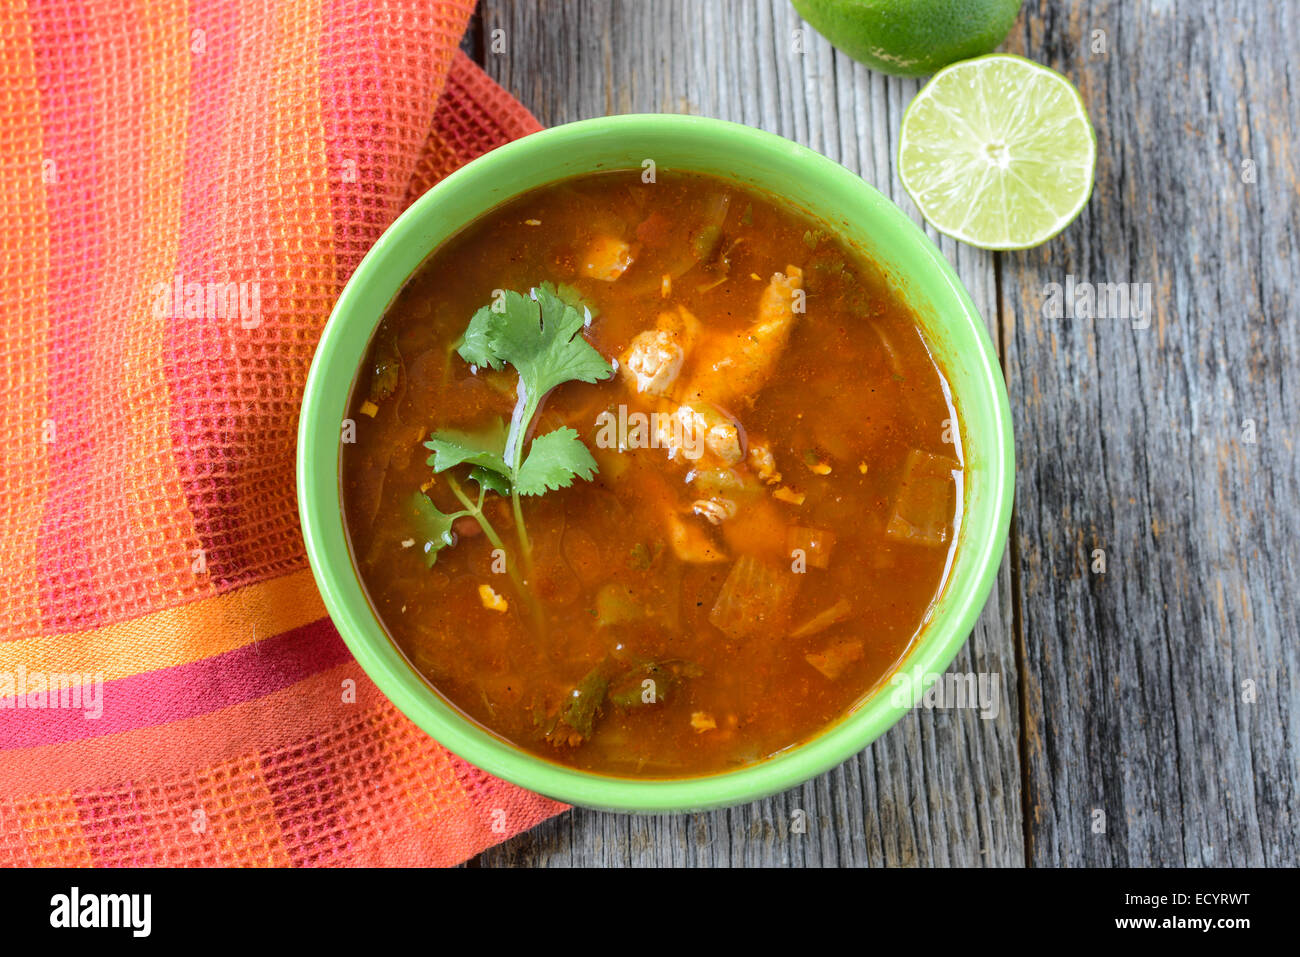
[(998, 152)]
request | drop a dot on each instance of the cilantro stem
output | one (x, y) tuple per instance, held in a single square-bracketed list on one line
[(520, 420), (475, 510), (540, 335), (522, 530)]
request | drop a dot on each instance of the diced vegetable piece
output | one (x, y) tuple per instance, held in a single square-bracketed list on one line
[(835, 658), (491, 600), (894, 357), (816, 463), (575, 721), (786, 494), (606, 259), (702, 721), (655, 230), (616, 605), (691, 544), (824, 619), (639, 689), (705, 242), (612, 463), (642, 556), (923, 509), (813, 237), (716, 482), (758, 529), (650, 683), (754, 599), (386, 366), (815, 543)]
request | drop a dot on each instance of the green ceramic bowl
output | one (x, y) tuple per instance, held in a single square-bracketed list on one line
[(747, 156)]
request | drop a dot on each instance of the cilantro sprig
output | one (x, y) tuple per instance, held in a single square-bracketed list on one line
[(540, 336)]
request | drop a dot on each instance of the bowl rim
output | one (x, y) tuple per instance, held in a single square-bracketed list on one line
[(321, 516)]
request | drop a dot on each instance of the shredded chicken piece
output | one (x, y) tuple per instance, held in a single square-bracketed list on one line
[(723, 440), (763, 463), (737, 366), (691, 544), (682, 323), (691, 431), (716, 510), (653, 361)]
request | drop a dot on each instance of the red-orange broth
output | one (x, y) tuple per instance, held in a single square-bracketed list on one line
[(683, 616)]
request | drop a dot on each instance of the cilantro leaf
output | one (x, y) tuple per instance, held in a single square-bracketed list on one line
[(490, 480), (485, 448), (539, 336), (569, 295), (476, 344), (553, 461), (549, 352), (432, 527)]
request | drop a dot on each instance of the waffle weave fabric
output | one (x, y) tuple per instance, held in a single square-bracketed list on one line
[(171, 690)]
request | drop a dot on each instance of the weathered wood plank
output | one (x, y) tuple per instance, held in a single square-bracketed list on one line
[(1138, 441), (942, 787)]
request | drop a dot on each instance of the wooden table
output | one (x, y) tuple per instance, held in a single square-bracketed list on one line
[(1152, 710)]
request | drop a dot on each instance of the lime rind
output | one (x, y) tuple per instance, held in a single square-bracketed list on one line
[(998, 152)]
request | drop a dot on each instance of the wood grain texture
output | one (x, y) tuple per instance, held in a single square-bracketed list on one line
[(1138, 441), (1159, 700), (941, 788)]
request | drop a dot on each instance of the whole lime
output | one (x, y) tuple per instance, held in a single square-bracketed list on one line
[(911, 37)]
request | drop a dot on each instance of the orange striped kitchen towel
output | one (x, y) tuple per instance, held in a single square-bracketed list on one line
[(171, 691)]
